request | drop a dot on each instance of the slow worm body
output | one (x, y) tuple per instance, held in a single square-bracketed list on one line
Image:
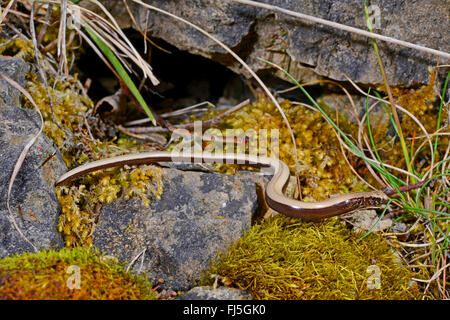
[(274, 190)]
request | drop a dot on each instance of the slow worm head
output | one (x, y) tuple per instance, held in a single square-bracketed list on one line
[(274, 190)]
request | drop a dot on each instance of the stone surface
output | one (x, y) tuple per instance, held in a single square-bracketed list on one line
[(210, 293), (365, 220), (199, 214), (33, 200), (308, 51), (15, 69)]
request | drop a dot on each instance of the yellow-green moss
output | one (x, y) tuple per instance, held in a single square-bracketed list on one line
[(69, 107), (284, 258), (46, 275), (421, 103), (324, 171), (18, 47), (80, 203)]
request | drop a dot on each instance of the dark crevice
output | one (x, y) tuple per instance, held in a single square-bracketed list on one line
[(186, 79)]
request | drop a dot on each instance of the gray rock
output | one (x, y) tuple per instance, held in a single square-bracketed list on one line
[(33, 199), (199, 214), (308, 51), (210, 293), (16, 69), (365, 220)]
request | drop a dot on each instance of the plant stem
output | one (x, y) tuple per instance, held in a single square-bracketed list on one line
[(391, 98)]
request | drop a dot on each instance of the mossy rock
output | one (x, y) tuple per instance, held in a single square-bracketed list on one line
[(282, 258), (69, 274)]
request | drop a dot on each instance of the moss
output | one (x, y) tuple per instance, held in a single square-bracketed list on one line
[(80, 203), (46, 275), (422, 104), (69, 107), (283, 258), (324, 171), (19, 48)]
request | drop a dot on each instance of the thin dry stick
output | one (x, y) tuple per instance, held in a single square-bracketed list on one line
[(341, 143), (176, 113), (19, 15), (235, 56), (109, 30), (97, 51), (43, 30), (61, 50), (345, 28), (362, 135), (353, 111), (22, 156), (188, 126), (435, 276), (6, 10), (102, 32), (141, 137), (142, 253)]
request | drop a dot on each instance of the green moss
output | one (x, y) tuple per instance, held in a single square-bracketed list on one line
[(323, 169), (284, 258), (421, 103), (69, 108), (46, 275), (80, 203), (19, 48)]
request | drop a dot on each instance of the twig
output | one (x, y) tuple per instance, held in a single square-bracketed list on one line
[(61, 51), (140, 30), (398, 107), (45, 25), (390, 192), (6, 10), (435, 275), (142, 253), (176, 113), (189, 126)]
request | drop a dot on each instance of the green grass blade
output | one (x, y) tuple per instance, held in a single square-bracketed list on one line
[(438, 125), (121, 71)]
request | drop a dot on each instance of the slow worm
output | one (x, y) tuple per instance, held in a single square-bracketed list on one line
[(274, 190)]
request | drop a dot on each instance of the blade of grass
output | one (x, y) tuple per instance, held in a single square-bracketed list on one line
[(122, 73), (375, 150), (438, 125), (391, 98)]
